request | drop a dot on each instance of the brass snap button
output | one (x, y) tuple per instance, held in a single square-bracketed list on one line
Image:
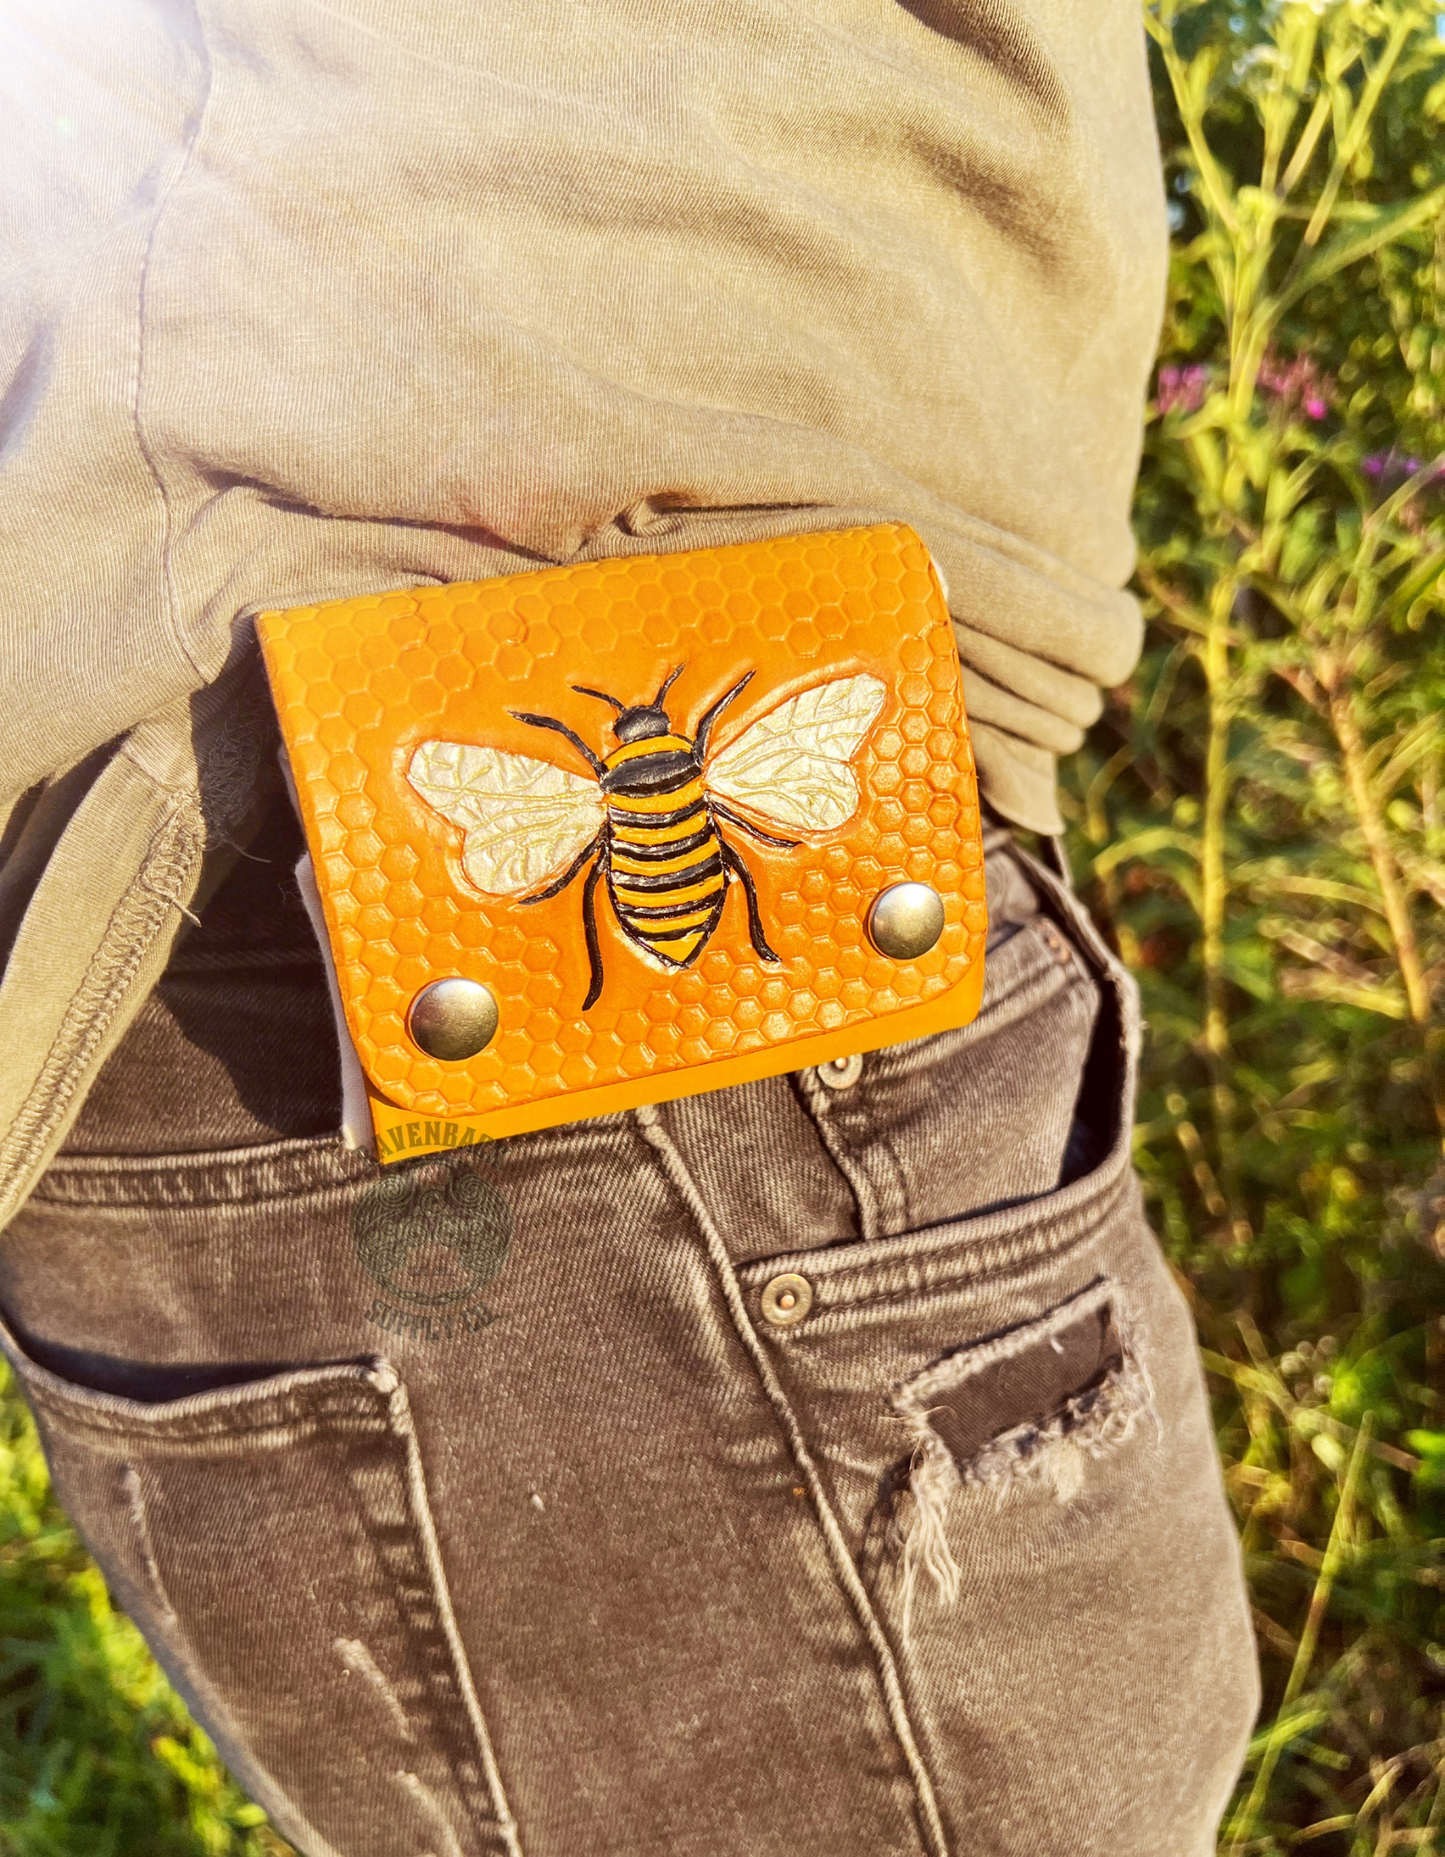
[(906, 920), (842, 1073), (786, 1300), (453, 1019)]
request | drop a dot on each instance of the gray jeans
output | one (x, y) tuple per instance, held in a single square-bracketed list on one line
[(504, 1502)]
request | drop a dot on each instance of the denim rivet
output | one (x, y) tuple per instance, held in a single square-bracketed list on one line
[(842, 1073), (453, 1019), (786, 1299)]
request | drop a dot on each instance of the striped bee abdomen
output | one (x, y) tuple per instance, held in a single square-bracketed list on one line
[(664, 867)]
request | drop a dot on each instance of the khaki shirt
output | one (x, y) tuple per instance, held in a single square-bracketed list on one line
[(305, 300)]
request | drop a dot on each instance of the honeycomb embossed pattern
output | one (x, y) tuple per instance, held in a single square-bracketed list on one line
[(361, 683)]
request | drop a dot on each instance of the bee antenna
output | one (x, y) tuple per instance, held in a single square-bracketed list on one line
[(671, 679), (601, 695)]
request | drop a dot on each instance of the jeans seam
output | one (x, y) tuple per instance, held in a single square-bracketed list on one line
[(982, 1256), (275, 1172), (404, 1429), (138, 918), (815, 1100), (344, 1409), (886, 1178), (679, 1174)]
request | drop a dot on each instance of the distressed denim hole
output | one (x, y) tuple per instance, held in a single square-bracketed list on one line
[(1016, 1393), (1027, 1408)]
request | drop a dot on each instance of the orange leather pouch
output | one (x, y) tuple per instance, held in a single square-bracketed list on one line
[(609, 834)]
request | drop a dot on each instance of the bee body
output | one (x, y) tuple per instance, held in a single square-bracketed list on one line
[(664, 859)]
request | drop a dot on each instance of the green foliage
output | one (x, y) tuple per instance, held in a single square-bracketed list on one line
[(1259, 821)]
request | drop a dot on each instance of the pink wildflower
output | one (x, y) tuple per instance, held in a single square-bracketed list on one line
[(1297, 383), (1182, 390)]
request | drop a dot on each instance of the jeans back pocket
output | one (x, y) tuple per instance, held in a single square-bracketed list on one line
[(272, 1538)]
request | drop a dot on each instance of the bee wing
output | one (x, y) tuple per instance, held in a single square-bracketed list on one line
[(793, 766), (523, 819)]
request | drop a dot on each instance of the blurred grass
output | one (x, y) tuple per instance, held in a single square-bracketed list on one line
[(1258, 823)]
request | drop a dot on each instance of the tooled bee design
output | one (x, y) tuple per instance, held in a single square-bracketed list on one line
[(649, 822)]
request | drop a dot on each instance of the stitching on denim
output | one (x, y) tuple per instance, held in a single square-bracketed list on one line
[(814, 1096), (319, 1397), (982, 1257), (898, 1217), (650, 1124), (1072, 915), (143, 1202), (399, 1412), (1037, 1244), (239, 1176), (1041, 971), (1045, 1228), (173, 856), (302, 1417), (880, 1190), (140, 1522), (114, 1182)]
